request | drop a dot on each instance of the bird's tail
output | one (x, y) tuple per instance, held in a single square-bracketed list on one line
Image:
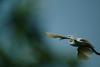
[(95, 51)]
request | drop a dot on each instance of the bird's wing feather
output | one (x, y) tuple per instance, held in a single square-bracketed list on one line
[(84, 52)]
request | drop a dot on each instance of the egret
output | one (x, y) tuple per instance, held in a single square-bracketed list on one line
[(84, 47)]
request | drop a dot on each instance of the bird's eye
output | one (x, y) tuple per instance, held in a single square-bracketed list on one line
[(71, 40)]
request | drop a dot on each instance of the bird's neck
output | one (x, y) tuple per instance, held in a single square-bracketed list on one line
[(74, 43)]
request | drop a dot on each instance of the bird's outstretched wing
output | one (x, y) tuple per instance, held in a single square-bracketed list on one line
[(85, 43), (84, 52), (50, 35)]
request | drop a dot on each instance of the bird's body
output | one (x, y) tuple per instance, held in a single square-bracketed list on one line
[(84, 48)]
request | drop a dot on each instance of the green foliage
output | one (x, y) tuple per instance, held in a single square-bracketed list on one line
[(27, 48)]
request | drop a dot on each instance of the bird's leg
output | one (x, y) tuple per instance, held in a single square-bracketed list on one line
[(95, 51)]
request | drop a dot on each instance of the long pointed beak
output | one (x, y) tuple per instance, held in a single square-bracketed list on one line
[(64, 38), (50, 35)]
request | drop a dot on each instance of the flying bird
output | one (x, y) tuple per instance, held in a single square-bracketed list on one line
[(84, 47)]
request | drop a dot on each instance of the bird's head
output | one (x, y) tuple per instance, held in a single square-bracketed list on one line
[(71, 39)]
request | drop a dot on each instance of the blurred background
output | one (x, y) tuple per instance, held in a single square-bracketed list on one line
[(23, 24)]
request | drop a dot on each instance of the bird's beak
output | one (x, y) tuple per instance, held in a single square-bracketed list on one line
[(65, 38)]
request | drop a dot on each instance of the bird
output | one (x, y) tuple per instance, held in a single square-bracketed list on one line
[(84, 47)]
